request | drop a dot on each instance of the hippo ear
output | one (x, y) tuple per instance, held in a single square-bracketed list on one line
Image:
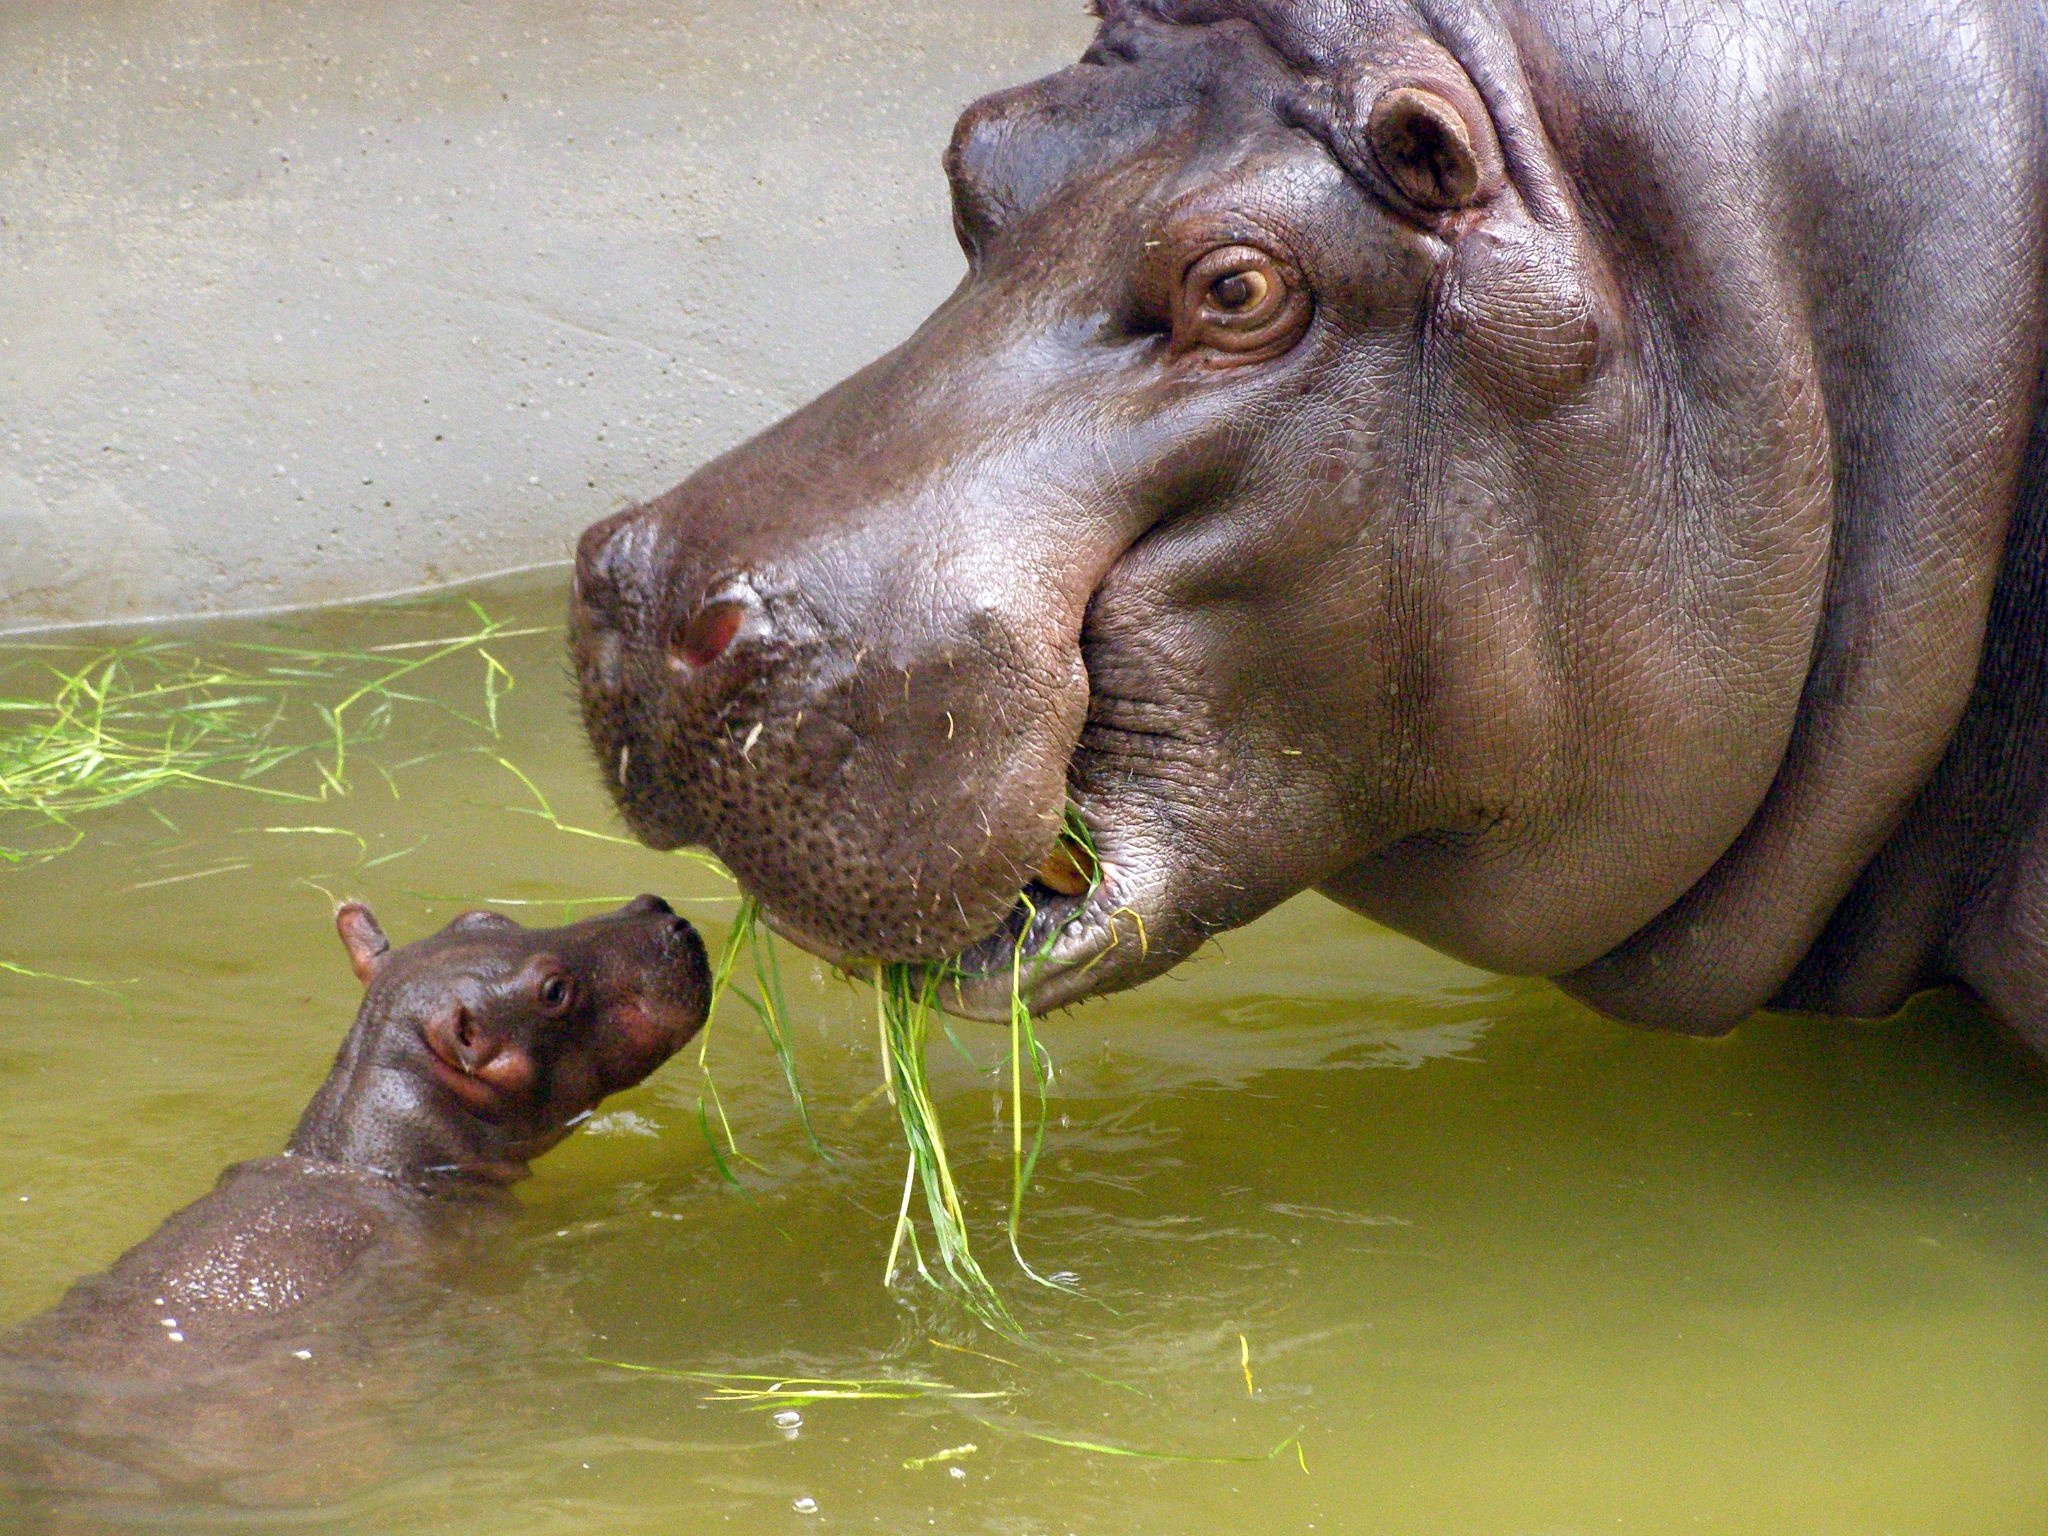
[(480, 919), (485, 1066), (1425, 146), (367, 947)]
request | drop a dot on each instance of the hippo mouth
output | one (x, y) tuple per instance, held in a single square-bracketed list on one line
[(1048, 950), (1051, 948)]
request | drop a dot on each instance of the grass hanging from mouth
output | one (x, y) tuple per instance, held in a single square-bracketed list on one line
[(906, 999), (906, 1005), (1079, 844), (747, 938)]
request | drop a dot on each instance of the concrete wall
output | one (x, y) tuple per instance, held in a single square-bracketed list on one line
[(311, 300)]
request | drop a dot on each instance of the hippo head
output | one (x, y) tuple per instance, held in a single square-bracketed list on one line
[(1273, 492), (483, 1045)]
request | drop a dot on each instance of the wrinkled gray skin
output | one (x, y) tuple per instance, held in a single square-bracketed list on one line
[(1543, 475), (474, 1051)]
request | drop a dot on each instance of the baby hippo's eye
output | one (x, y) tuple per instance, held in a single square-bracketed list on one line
[(555, 992)]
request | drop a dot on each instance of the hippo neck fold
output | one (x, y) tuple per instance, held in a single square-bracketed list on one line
[(386, 1118), (1926, 344)]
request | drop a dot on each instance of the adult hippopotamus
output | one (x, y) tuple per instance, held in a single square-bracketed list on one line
[(1562, 477)]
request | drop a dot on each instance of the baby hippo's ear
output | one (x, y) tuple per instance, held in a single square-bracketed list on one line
[(483, 1062), (368, 949)]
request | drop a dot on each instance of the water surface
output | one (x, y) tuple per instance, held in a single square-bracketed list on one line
[(1505, 1269)]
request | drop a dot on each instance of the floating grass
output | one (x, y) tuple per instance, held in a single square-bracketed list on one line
[(543, 810), (86, 730), (765, 1392), (1136, 1453), (27, 973), (754, 1389)]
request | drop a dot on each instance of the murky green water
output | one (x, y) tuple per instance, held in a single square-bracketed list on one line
[(1505, 1269)]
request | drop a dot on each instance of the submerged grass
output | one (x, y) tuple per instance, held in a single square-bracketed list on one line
[(104, 727)]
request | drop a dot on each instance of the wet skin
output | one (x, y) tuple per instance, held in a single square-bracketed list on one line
[(474, 1051), (1562, 479)]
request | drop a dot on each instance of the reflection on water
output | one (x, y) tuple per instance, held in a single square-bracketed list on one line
[(1502, 1267)]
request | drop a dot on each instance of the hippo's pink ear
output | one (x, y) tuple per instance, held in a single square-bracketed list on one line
[(368, 949)]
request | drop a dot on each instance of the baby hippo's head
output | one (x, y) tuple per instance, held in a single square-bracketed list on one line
[(480, 1047)]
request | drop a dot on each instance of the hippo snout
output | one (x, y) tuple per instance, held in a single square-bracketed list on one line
[(783, 713)]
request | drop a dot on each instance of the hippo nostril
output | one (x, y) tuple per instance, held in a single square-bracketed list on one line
[(612, 559), (708, 633), (591, 575)]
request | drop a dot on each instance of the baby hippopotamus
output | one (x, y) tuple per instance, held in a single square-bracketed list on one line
[(474, 1051)]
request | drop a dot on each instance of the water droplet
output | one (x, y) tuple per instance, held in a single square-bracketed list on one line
[(1065, 1277), (175, 1338), (958, 1474), (804, 1505), (302, 1354), (789, 1421)]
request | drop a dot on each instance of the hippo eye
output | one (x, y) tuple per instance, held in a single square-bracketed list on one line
[(1236, 292), (554, 992), (1239, 301)]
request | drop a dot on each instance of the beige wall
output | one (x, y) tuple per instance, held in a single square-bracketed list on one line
[(318, 300)]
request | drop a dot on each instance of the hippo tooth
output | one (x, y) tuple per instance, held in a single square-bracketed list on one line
[(1063, 872)]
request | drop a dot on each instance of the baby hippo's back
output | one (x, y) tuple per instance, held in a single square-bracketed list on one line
[(246, 1347), (282, 1247)]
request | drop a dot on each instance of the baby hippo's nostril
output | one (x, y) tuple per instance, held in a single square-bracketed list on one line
[(709, 632)]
